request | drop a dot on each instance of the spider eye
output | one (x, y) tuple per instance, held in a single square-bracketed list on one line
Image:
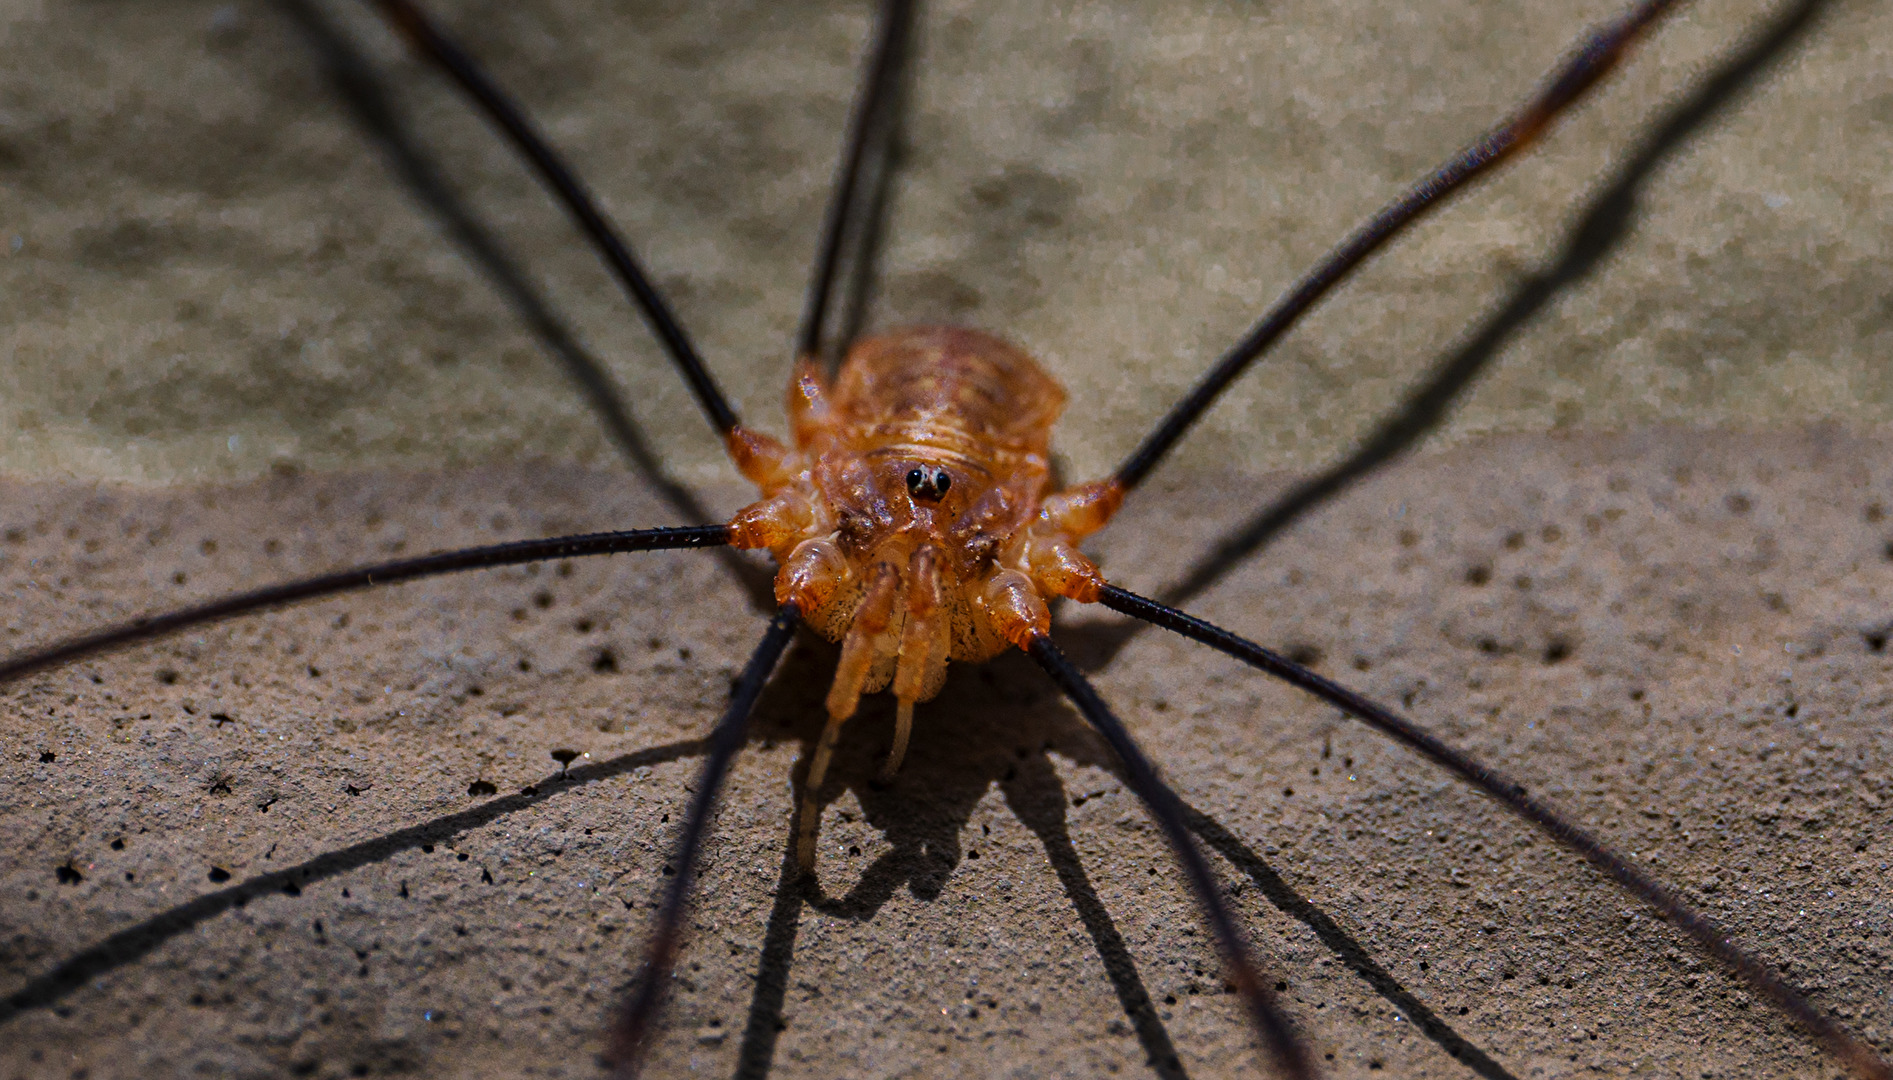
[(928, 484)]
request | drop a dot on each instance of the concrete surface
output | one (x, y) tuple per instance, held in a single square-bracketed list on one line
[(241, 348)]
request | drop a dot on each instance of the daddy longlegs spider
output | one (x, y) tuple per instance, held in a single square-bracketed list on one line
[(1152, 1037)]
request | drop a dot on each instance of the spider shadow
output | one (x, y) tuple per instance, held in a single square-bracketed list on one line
[(1007, 721), (365, 98), (139, 940), (1606, 223), (923, 812), (996, 726)]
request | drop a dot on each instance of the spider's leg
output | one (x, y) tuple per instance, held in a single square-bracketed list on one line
[(1590, 62), (628, 1036), (1291, 1056), (1604, 223), (1858, 1056), (436, 46), (852, 226), (360, 577)]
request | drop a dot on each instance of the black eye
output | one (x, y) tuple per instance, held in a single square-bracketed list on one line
[(928, 484)]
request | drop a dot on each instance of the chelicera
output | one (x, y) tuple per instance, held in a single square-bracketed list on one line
[(914, 520)]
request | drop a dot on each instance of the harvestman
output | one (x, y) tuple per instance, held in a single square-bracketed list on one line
[(913, 522)]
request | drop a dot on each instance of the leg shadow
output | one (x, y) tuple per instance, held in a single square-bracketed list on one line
[(1038, 799), (368, 102), (1014, 724), (1605, 224), (922, 814), (135, 942), (758, 1052), (865, 235), (1341, 943), (1293, 904)]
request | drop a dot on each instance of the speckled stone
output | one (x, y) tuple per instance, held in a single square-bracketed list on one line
[(1642, 566)]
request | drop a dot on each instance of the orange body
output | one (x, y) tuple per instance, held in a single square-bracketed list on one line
[(911, 520)]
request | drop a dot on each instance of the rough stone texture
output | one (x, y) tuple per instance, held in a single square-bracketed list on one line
[(219, 279), (217, 270), (1680, 639)]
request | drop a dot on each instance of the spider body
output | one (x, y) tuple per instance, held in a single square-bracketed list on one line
[(911, 521), (918, 485)]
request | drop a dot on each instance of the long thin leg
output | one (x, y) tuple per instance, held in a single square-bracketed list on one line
[(1594, 58), (860, 186), (1290, 1055), (634, 1024), (431, 43), (370, 103), (1601, 227), (1858, 1057), (361, 577)]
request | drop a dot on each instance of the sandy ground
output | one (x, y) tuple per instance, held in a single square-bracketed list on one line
[(250, 335)]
